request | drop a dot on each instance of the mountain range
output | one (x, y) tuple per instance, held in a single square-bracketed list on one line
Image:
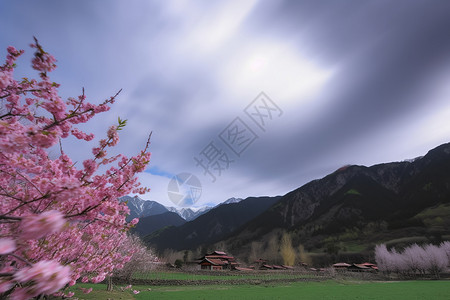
[(350, 210), (140, 208), (210, 227), (153, 215), (356, 207)]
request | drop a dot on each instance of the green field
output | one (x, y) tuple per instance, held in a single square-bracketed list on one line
[(301, 290)]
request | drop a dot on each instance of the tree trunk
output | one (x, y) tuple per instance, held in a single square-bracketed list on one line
[(109, 285)]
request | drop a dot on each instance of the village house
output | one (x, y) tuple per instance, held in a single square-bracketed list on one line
[(364, 267), (218, 260), (359, 268), (370, 265), (263, 265), (341, 266), (266, 267)]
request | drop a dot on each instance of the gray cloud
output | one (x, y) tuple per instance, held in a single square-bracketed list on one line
[(187, 72)]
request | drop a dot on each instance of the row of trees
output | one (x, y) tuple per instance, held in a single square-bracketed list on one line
[(414, 260), (279, 249), (59, 221)]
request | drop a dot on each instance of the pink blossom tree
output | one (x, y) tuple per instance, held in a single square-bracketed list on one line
[(383, 258), (445, 246), (436, 259), (413, 259), (59, 221), (142, 260)]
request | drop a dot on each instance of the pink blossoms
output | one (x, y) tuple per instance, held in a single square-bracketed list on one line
[(60, 221)]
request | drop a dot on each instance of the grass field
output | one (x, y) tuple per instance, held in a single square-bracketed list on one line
[(311, 290)]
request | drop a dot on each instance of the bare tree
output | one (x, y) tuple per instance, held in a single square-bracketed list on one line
[(271, 252), (256, 252), (286, 250), (170, 256), (303, 255)]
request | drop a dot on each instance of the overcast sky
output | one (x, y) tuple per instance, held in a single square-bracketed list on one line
[(342, 82)]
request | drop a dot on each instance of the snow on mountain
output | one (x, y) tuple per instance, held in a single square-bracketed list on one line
[(140, 208), (231, 200), (190, 214)]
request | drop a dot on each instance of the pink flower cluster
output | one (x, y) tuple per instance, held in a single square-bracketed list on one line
[(44, 277), (65, 219), (7, 246), (42, 61), (37, 226)]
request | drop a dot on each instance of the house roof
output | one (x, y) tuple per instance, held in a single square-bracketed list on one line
[(367, 264), (267, 266), (217, 253), (359, 266), (341, 265), (215, 262), (218, 262), (278, 267), (287, 267), (220, 257)]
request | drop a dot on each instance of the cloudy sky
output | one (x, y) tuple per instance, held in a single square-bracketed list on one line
[(251, 97)]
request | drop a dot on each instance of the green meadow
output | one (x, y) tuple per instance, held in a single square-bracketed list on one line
[(424, 289)]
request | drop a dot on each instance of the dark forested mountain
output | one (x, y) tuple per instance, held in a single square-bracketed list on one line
[(152, 223), (212, 226), (364, 205)]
